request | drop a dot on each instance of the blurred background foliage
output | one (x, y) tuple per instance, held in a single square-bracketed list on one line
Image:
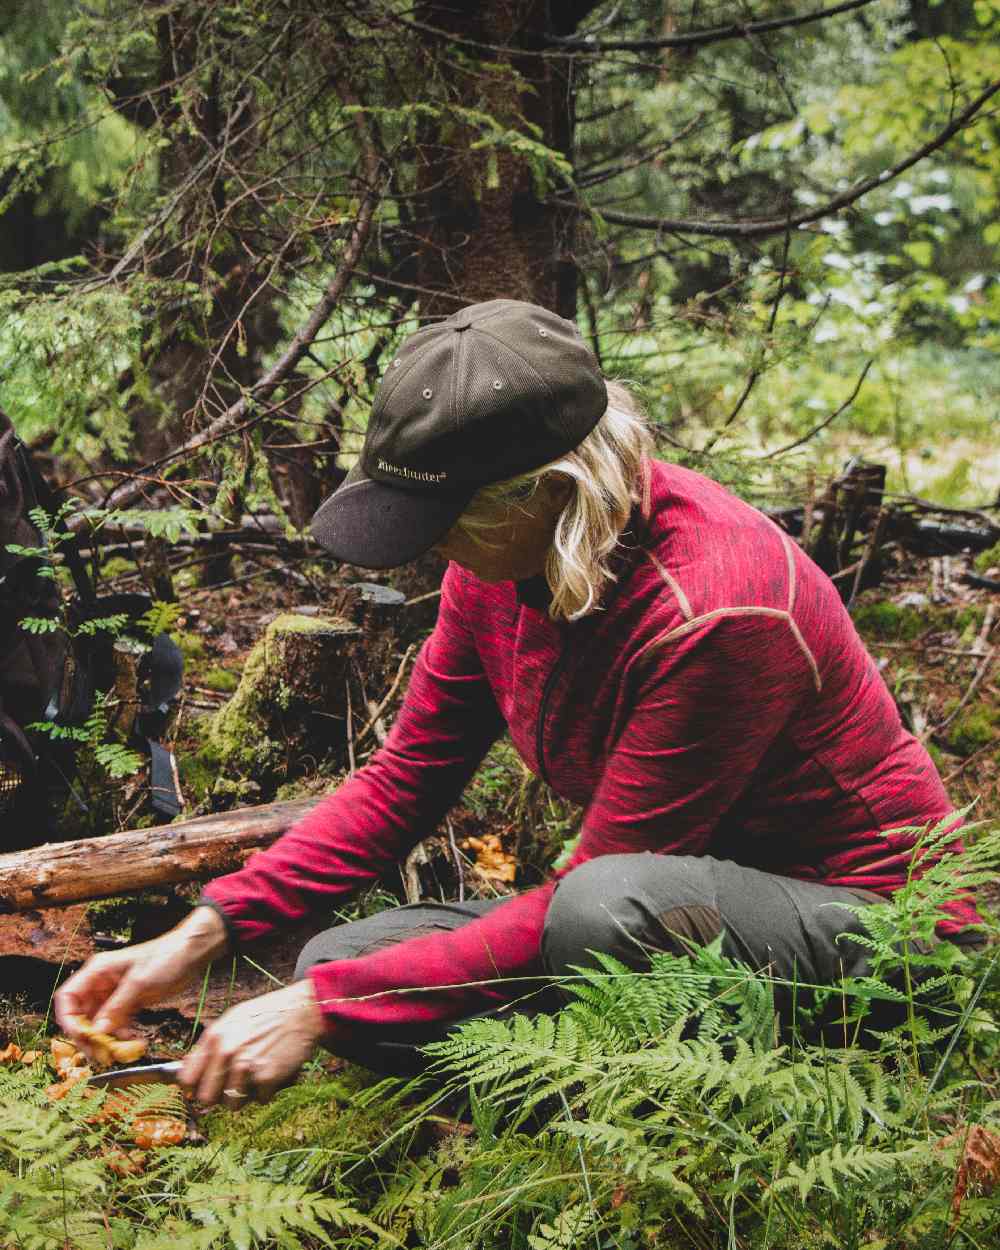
[(179, 184)]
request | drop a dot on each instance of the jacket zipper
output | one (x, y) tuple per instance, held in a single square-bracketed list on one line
[(550, 682)]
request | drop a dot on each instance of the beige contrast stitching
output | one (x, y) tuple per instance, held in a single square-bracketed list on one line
[(807, 653), (778, 613), (695, 621), (790, 556), (674, 585)]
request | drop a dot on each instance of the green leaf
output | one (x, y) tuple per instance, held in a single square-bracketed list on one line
[(39, 624), (920, 251)]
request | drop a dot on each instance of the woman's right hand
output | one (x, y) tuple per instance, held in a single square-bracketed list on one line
[(110, 988)]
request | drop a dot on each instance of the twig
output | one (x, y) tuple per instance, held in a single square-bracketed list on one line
[(977, 677), (410, 876), (265, 386), (807, 510), (826, 420), (574, 46), (378, 727), (350, 729), (370, 725), (457, 858), (955, 773), (757, 369), (431, 594), (878, 529)]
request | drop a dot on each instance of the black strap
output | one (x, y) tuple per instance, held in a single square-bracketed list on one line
[(12, 733)]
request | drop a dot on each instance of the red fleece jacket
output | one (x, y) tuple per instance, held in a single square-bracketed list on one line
[(720, 703)]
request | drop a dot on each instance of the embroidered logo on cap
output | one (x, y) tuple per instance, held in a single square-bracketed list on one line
[(412, 474)]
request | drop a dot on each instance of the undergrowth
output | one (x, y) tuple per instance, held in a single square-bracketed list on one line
[(672, 1108)]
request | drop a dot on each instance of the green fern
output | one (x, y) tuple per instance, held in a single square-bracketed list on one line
[(860, 1164)]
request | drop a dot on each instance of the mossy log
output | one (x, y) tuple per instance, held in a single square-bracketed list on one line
[(121, 863)]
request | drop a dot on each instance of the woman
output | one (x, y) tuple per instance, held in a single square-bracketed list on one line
[(660, 652)]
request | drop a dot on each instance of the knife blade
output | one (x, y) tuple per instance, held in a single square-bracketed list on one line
[(144, 1074)]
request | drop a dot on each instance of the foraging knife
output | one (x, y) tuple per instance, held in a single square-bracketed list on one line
[(144, 1074)]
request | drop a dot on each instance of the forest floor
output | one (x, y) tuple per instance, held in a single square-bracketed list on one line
[(929, 634), (932, 636)]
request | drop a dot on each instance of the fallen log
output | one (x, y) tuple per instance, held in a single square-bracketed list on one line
[(121, 863)]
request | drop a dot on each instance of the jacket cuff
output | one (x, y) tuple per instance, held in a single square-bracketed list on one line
[(232, 936)]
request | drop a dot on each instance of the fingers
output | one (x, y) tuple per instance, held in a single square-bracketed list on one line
[(120, 1006), (85, 992), (211, 1074), (255, 1049)]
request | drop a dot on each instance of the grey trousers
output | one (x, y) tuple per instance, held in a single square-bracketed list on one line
[(627, 905)]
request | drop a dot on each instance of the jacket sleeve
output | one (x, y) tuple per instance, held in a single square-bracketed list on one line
[(446, 724), (704, 709)]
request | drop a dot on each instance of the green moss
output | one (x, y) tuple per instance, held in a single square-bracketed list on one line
[(969, 621), (319, 1121), (313, 786), (192, 646), (115, 566), (198, 770), (241, 734), (112, 915), (974, 729), (235, 734), (291, 623), (989, 559), (236, 792), (222, 679), (888, 622)]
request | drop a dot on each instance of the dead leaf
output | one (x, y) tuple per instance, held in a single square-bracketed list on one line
[(978, 1166), (11, 1053)]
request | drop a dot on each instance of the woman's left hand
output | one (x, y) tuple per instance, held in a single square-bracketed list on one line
[(255, 1049)]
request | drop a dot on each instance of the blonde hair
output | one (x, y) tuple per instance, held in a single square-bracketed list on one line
[(606, 472)]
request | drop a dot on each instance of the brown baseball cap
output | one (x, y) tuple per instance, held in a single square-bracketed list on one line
[(491, 392)]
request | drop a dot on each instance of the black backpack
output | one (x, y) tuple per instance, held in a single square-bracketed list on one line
[(54, 675)]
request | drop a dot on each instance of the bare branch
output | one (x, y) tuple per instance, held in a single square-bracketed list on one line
[(780, 451), (713, 34), (758, 368), (777, 225), (236, 413)]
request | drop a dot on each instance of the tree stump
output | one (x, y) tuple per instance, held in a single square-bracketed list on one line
[(289, 709)]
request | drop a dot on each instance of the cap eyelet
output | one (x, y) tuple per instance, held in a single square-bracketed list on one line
[(544, 333), (396, 363), (497, 384), (428, 393)]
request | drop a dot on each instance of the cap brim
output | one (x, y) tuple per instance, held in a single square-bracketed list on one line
[(367, 523)]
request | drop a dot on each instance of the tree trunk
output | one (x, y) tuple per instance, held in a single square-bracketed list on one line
[(121, 863), (484, 231)]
